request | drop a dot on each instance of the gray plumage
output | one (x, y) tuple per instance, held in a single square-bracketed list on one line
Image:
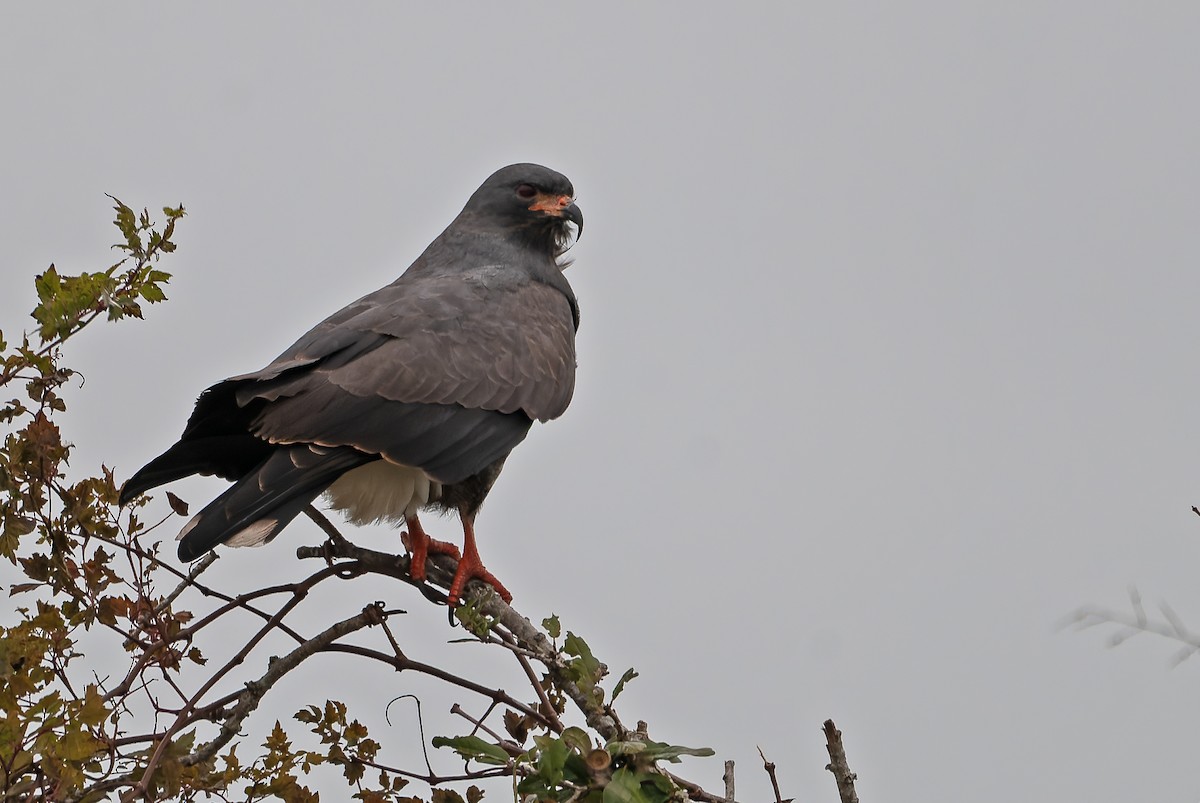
[(442, 371)]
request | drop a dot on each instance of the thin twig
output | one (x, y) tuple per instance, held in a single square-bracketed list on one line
[(506, 640), (407, 664), (186, 715), (1137, 621), (194, 571), (769, 766), (325, 524), (695, 791), (420, 726), (254, 691), (480, 726), (433, 779)]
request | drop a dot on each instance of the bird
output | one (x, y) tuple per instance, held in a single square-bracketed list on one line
[(409, 399)]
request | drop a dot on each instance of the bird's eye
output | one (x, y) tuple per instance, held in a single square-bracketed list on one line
[(526, 191)]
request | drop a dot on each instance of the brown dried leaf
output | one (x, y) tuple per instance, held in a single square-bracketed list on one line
[(517, 727), (178, 505)]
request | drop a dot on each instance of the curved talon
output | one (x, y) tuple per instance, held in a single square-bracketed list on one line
[(466, 574)]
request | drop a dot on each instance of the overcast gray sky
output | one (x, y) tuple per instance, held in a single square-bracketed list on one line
[(886, 362)]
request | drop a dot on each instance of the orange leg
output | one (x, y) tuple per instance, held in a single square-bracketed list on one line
[(420, 545), (471, 567)]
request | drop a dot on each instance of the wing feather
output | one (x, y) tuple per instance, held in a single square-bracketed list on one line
[(441, 372), (446, 341), (255, 508)]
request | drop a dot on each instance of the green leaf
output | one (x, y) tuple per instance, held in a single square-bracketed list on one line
[(552, 759), (76, 745), (473, 620), (629, 675), (626, 787), (656, 751), (586, 669), (577, 739), (574, 645), (472, 747), (638, 786), (93, 711), (620, 748), (47, 284), (552, 626), (126, 221), (152, 293)]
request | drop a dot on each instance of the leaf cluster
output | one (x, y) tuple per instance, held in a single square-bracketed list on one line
[(56, 735), (570, 765)]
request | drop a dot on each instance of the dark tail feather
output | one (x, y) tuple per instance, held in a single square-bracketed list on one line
[(228, 456), (264, 501)]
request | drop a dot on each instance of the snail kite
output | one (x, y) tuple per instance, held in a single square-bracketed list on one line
[(409, 398)]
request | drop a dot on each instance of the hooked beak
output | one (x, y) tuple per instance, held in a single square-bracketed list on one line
[(573, 214), (560, 206)]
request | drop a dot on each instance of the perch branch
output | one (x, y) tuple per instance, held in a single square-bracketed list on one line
[(522, 631)]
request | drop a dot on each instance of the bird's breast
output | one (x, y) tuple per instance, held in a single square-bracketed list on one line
[(382, 492)]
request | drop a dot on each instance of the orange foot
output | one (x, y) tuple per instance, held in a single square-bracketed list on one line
[(474, 571), (420, 546), (470, 567)]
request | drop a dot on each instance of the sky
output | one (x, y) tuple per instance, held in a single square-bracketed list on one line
[(884, 364)]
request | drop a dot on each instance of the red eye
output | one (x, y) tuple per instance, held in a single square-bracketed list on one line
[(526, 191)]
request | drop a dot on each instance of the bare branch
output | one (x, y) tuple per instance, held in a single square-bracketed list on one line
[(1138, 621), (480, 725), (248, 700), (523, 633), (506, 640), (837, 764), (402, 664), (194, 571), (694, 790), (769, 766), (327, 526)]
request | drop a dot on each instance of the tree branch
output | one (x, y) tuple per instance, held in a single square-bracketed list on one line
[(837, 764), (769, 766), (523, 633), (249, 699), (1138, 621)]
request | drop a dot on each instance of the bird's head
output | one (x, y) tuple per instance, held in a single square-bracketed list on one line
[(532, 201)]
